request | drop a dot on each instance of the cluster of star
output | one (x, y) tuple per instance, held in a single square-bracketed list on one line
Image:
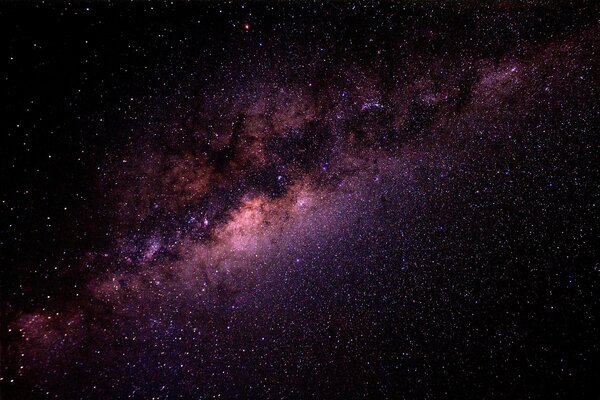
[(329, 220)]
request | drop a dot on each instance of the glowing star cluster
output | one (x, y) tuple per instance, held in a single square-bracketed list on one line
[(393, 205)]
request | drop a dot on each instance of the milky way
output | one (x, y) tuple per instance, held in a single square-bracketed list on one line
[(318, 201)]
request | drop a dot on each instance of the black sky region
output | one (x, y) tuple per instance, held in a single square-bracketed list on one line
[(272, 200)]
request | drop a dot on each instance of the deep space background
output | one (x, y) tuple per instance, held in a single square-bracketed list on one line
[(300, 200)]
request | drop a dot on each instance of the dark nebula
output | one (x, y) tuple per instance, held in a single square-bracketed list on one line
[(301, 200)]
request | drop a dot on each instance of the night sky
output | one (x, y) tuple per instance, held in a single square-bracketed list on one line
[(300, 200)]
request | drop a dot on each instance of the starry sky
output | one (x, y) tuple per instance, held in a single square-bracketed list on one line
[(300, 200)]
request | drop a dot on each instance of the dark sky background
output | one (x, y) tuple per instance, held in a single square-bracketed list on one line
[(300, 200)]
